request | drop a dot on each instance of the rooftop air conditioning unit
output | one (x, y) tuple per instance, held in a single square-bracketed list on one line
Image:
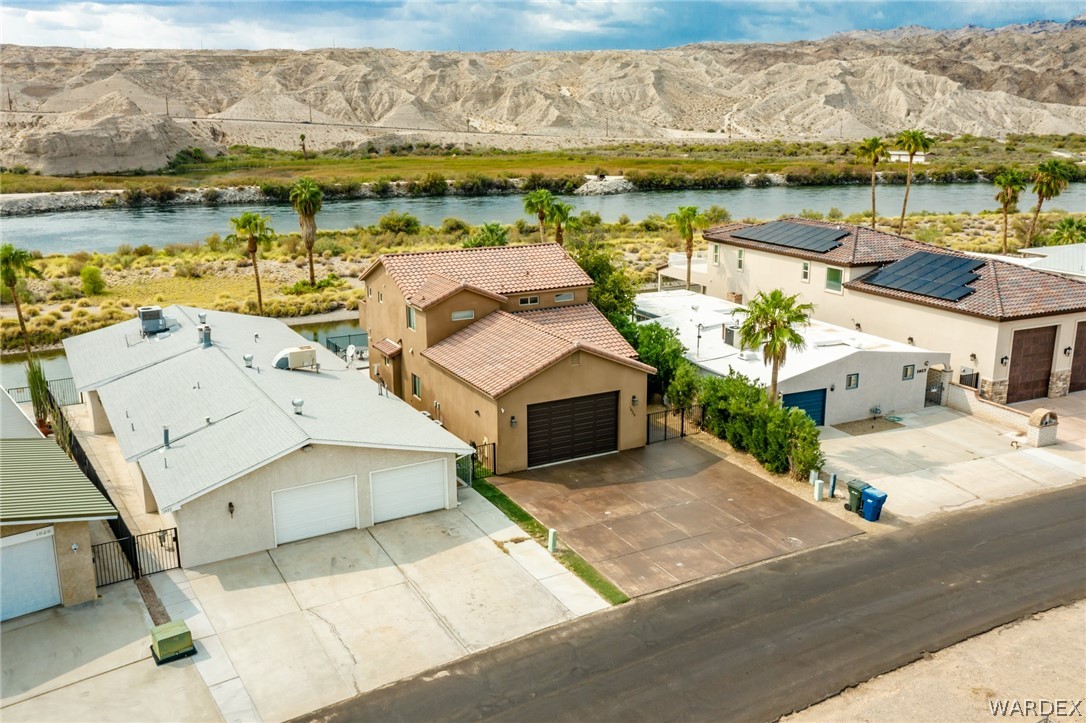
[(731, 336), (151, 319), (296, 357), (748, 355)]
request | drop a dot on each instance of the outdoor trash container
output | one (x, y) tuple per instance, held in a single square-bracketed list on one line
[(873, 500), (855, 494)]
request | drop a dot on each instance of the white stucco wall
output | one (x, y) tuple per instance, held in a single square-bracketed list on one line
[(208, 533)]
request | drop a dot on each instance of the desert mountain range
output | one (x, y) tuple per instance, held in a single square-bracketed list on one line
[(68, 110)]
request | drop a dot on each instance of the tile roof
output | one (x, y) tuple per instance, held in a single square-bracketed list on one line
[(438, 287), (1003, 291), (502, 350), (501, 270), (388, 347), (862, 247), (585, 323)]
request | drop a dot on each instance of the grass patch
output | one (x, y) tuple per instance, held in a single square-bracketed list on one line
[(570, 559)]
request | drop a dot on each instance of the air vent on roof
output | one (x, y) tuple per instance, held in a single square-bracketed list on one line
[(296, 357), (748, 355), (151, 319)]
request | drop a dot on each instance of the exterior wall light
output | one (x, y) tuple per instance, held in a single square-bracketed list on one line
[(833, 387), (513, 421), (1004, 360), (75, 547), (1067, 351), (972, 357), (910, 340), (634, 400), (230, 508)]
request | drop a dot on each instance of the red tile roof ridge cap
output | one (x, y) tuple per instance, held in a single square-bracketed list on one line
[(473, 250), (537, 326), (424, 303), (998, 291)]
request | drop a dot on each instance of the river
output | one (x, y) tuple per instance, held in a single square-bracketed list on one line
[(105, 229)]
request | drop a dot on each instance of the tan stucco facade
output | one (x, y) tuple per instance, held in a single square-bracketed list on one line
[(75, 568), (207, 531)]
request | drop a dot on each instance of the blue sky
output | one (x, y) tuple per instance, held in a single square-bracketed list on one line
[(484, 24)]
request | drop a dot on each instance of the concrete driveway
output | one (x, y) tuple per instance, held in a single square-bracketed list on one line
[(668, 513), (284, 632), (942, 460)]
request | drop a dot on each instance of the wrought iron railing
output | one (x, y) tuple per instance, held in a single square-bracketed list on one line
[(62, 389), (673, 423), (152, 552), (338, 344)]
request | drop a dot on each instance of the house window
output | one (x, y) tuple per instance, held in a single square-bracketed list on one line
[(833, 280), (529, 300), (716, 254), (739, 260), (805, 274), (852, 381), (564, 296), (369, 291), (416, 386), (380, 298), (908, 372), (410, 317), (467, 315)]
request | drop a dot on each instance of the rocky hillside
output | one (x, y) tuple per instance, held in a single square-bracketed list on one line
[(68, 110)]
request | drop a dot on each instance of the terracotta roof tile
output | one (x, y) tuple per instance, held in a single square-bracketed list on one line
[(500, 270), (388, 347), (1003, 291), (862, 247), (502, 350), (582, 322), (438, 287)]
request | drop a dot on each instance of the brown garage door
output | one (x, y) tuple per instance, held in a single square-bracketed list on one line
[(571, 428), (1078, 362), (1031, 363)]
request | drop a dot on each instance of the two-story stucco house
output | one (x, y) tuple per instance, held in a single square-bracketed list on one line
[(1015, 332), (501, 346)]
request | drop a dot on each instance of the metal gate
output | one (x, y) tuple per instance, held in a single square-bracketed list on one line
[(672, 424), (134, 557), (934, 395)]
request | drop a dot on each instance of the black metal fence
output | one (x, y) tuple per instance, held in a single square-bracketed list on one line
[(970, 380), (673, 423), (63, 390), (479, 465), (151, 552), (486, 457), (338, 344)]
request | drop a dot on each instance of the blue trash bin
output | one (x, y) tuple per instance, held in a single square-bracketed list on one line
[(873, 500)]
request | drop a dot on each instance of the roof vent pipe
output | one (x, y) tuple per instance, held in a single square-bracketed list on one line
[(248, 358), (298, 405), (165, 436), (206, 336), (202, 316)]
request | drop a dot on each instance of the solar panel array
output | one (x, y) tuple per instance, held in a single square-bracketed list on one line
[(819, 239), (928, 274)]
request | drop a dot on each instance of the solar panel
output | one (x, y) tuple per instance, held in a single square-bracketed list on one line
[(819, 239), (939, 276)]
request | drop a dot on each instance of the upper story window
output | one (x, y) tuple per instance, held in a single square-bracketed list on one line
[(411, 317), (716, 254), (852, 381), (805, 273), (466, 315), (833, 280), (369, 291), (529, 300), (739, 260), (564, 296), (908, 372), (380, 298), (416, 386)]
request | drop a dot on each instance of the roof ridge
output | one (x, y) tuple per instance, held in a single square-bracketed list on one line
[(470, 250), (539, 327), (998, 290)]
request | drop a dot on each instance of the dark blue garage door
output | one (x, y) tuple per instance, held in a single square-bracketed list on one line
[(812, 402)]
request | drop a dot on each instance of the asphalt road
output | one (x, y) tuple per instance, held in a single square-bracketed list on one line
[(760, 643)]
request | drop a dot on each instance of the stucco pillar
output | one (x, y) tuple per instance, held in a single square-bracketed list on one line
[(99, 421), (149, 503), (1041, 431)]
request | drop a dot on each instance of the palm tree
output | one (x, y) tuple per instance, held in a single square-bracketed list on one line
[(1069, 230), (17, 264), (489, 234), (561, 214), (771, 323), (1011, 182), (306, 198), (912, 142), (1049, 180), (686, 220), (253, 228), (539, 202), (872, 150)]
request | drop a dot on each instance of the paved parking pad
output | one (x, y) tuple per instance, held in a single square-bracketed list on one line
[(668, 513)]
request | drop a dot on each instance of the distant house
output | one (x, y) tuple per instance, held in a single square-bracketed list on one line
[(840, 376), (1068, 260), (1014, 332), (501, 345), (46, 509), (251, 438), (903, 157)]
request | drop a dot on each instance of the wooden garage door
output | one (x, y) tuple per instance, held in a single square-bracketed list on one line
[(1031, 363), (571, 428), (1078, 362), (28, 573)]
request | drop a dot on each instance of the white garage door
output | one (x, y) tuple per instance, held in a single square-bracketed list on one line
[(28, 573), (409, 490), (316, 509)]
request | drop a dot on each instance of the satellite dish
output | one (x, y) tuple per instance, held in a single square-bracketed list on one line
[(350, 351)]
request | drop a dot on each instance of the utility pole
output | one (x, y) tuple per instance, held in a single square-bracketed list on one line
[(167, 106)]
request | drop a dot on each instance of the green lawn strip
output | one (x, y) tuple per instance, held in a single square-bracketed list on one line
[(570, 559)]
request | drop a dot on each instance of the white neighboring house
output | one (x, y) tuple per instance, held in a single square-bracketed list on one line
[(903, 157), (842, 375), (252, 438)]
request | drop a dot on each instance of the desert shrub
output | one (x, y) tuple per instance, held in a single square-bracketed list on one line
[(381, 187), (124, 250), (330, 281), (431, 184), (835, 214), (455, 226), (211, 196), (188, 270), (61, 291), (761, 180), (624, 220), (474, 184), (91, 279), (159, 193), (397, 222), (142, 250), (652, 222), (554, 184), (717, 214), (328, 247), (277, 191), (811, 214), (133, 195)]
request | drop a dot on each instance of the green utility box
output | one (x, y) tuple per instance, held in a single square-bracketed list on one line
[(171, 641), (855, 495)]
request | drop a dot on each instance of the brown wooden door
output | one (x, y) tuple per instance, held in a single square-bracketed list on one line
[(1031, 363), (1078, 362), (571, 428)]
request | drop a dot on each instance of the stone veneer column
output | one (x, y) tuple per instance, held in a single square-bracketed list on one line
[(994, 391), (1060, 383)]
